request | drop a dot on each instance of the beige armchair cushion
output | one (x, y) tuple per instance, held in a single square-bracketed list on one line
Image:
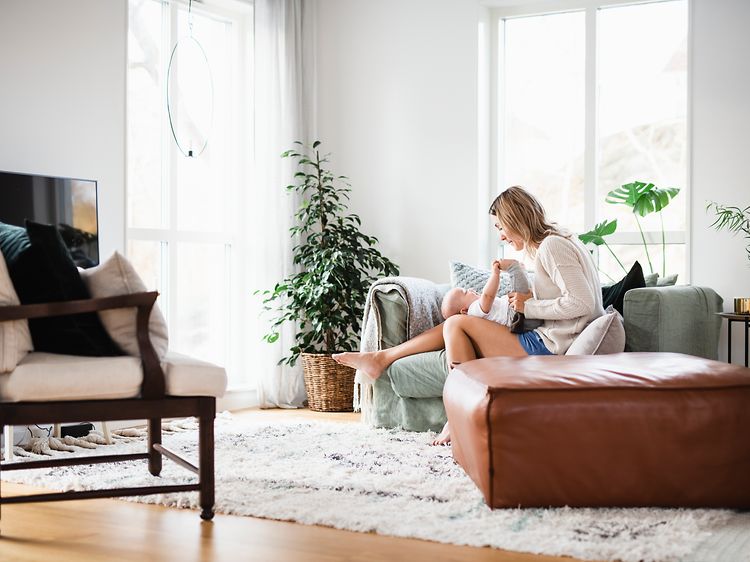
[(117, 276), (42, 377), (15, 338)]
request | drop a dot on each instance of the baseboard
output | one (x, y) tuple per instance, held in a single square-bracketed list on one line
[(238, 399)]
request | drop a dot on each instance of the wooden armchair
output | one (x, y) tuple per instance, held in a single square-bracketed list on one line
[(180, 393)]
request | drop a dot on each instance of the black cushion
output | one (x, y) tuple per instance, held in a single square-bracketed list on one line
[(42, 270), (614, 294)]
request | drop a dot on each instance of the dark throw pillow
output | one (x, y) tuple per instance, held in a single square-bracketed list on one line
[(614, 294), (42, 270)]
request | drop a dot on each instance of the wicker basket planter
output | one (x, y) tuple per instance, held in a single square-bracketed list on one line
[(329, 385)]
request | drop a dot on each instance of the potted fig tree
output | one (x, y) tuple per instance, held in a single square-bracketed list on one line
[(325, 298)]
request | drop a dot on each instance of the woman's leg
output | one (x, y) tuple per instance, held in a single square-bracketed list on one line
[(468, 337), (373, 363)]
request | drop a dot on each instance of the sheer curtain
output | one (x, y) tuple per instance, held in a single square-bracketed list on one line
[(284, 90)]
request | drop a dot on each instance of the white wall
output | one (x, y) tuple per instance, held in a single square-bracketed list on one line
[(720, 147), (397, 106), (62, 97)]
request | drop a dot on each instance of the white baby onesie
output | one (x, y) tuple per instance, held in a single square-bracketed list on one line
[(498, 311)]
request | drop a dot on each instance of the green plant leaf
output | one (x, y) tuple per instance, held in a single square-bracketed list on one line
[(629, 193), (596, 235), (654, 200)]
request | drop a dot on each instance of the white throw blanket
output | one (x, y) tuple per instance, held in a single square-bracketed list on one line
[(422, 299)]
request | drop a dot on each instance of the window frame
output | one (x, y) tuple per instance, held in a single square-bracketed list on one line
[(492, 109), (240, 135)]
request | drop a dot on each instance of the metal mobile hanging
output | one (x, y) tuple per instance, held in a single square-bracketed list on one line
[(182, 44)]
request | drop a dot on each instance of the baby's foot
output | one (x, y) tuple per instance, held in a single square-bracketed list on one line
[(444, 438), (370, 363)]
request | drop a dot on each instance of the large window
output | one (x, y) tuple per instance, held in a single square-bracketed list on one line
[(588, 100), (183, 213)]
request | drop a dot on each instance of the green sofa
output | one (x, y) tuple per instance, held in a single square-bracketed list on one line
[(409, 394)]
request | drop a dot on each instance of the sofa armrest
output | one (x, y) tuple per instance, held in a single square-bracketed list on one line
[(393, 310), (680, 319), (153, 385)]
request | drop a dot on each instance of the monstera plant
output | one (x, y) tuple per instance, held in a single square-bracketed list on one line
[(643, 198)]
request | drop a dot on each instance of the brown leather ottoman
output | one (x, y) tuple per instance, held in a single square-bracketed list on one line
[(627, 429)]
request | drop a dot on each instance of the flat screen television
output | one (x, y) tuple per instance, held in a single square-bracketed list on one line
[(66, 202)]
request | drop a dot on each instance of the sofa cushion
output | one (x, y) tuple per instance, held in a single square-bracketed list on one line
[(604, 335), (43, 377), (474, 278), (656, 280), (42, 271), (117, 276), (419, 376), (15, 339)]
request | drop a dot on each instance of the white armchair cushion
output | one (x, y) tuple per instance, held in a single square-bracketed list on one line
[(186, 376), (42, 377), (49, 376), (15, 338), (117, 276)]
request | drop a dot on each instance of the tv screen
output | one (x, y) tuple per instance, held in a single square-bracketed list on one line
[(68, 203)]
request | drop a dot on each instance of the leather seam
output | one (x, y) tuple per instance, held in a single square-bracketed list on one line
[(490, 464), (493, 390)]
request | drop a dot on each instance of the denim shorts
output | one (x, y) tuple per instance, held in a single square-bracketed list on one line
[(533, 344)]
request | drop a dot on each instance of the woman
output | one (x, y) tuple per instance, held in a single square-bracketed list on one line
[(566, 297)]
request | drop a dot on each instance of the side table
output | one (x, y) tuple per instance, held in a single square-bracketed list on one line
[(731, 318)]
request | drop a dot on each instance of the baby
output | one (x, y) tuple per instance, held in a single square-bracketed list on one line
[(488, 305)]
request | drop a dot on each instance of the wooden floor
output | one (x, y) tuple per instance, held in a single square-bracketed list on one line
[(115, 530)]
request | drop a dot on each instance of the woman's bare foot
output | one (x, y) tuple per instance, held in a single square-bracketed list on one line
[(445, 436), (371, 363)]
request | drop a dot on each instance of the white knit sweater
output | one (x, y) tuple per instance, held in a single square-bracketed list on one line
[(567, 292)]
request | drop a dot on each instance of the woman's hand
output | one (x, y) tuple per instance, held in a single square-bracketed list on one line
[(517, 300)]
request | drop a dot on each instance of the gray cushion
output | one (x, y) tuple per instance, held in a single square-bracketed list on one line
[(469, 277), (604, 335), (655, 280)]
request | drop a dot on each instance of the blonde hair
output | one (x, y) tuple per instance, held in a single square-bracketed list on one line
[(522, 213)]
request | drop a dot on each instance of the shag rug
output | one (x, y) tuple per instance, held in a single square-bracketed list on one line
[(391, 482)]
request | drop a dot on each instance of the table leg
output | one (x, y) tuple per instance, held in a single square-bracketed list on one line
[(747, 326), (729, 340)]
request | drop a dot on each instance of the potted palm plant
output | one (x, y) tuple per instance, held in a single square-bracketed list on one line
[(325, 298)]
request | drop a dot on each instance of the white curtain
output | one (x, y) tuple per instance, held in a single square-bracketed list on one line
[(284, 90)]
